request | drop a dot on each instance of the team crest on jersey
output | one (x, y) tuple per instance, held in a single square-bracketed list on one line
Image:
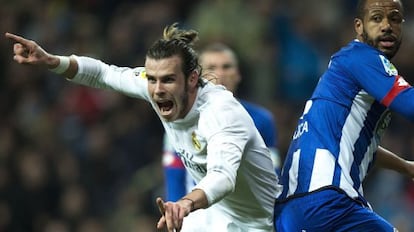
[(195, 141), (140, 73), (388, 66)]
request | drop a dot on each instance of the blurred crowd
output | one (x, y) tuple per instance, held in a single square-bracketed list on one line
[(85, 160)]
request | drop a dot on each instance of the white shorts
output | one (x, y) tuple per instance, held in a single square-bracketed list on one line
[(213, 219)]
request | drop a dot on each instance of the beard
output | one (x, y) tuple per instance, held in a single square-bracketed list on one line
[(374, 42), (184, 102)]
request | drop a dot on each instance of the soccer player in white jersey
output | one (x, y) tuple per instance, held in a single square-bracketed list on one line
[(220, 65), (337, 138), (208, 127)]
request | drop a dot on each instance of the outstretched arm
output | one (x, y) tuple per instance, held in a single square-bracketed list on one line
[(82, 70), (30, 53), (389, 160)]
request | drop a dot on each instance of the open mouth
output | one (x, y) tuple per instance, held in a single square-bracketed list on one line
[(165, 106)]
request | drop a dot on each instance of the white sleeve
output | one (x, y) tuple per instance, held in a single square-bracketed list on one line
[(223, 161), (229, 131), (95, 73)]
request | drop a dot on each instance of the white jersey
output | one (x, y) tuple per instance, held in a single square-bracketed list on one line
[(217, 142)]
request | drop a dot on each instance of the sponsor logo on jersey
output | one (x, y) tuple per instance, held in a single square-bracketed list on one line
[(388, 66), (187, 159), (196, 167)]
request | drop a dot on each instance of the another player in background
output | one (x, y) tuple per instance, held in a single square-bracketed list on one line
[(337, 138), (217, 139), (220, 64)]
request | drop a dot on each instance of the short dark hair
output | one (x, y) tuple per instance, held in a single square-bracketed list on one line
[(360, 9), (177, 42), (216, 47), (219, 47)]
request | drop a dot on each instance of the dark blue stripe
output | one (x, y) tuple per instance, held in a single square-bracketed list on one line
[(364, 140), (305, 170), (335, 145)]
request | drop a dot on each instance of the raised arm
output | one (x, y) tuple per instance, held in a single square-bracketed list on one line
[(389, 160), (28, 52)]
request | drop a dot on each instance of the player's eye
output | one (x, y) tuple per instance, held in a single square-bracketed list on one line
[(151, 79), (377, 18), (396, 18), (168, 80)]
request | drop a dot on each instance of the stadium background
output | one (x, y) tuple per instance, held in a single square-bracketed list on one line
[(84, 160)]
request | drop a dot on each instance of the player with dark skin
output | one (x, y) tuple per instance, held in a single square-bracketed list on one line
[(338, 136)]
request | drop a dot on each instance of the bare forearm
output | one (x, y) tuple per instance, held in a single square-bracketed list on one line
[(197, 198), (388, 160)]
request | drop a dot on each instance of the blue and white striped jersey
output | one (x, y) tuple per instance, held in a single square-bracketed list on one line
[(336, 138)]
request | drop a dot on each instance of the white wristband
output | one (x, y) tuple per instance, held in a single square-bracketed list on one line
[(64, 62)]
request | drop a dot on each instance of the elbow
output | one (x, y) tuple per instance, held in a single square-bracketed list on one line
[(216, 186)]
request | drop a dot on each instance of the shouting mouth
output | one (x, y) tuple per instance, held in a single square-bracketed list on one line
[(165, 107)]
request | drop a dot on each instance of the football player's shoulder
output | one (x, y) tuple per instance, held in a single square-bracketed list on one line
[(357, 51), (215, 96)]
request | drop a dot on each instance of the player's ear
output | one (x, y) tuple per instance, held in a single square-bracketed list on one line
[(359, 26), (193, 79)]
